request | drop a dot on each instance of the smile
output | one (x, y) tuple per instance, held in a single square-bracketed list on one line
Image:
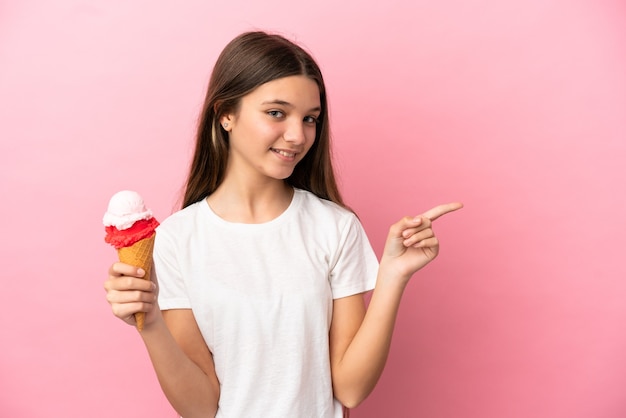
[(284, 153)]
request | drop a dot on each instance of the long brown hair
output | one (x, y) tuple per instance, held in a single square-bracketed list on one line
[(248, 61)]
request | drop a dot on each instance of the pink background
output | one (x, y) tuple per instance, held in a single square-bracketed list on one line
[(517, 108)]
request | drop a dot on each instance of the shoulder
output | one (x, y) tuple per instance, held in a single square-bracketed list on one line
[(317, 207), (326, 219), (182, 220)]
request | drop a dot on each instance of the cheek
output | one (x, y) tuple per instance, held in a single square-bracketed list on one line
[(310, 132), (257, 128), (310, 141), (268, 132)]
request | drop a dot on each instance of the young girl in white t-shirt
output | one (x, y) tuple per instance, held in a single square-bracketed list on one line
[(260, 277)]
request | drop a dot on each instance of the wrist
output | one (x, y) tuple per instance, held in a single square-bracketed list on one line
[(389, 274), (155, 322)]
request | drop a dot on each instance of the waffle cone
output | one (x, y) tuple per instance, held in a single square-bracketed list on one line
[(140, 255)]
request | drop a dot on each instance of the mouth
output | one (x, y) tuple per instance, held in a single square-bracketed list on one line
[(286, 154)]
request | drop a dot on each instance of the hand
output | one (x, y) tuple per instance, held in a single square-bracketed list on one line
[(128, 293), (411, 243)]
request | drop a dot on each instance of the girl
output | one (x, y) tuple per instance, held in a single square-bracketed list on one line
[(261, 275)]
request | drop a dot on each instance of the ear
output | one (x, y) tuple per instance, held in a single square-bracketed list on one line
[(227, 121)]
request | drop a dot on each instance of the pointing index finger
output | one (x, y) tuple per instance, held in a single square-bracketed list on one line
[(441, 210)]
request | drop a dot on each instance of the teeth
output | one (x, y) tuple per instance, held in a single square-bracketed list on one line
[(284, 153)]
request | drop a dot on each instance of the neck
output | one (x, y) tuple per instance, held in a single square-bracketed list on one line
[(242, 202)]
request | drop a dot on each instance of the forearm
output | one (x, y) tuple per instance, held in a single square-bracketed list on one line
[(188, 388), (358, 364), (358, 371)]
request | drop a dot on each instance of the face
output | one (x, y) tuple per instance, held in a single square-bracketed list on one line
[(273, 128)]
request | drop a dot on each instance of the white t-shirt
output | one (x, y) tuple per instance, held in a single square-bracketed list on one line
[(262, 297)]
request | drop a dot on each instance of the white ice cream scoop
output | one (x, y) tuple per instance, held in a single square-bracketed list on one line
[(125, 208)]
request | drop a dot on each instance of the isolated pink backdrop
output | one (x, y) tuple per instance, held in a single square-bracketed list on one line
[(516, 108)]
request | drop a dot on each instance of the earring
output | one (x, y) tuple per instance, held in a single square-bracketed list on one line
[(225, 125)]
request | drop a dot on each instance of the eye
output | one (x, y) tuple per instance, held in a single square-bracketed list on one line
[(311, 119), (276, 113)]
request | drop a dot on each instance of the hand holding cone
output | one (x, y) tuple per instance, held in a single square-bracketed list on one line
[(130, 228)]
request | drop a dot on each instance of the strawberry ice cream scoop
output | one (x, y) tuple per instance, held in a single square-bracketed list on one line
[(127, 220)]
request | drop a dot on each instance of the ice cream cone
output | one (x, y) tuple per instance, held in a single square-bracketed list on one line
[(139, 254), (130, 228)]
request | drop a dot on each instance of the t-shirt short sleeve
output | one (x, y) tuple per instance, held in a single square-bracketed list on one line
[(172, 289), (355, 266)]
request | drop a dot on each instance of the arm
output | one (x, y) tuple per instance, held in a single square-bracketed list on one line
[(179, 354), (183, 364), (360, 340)]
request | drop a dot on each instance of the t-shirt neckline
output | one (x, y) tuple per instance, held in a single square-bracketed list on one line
[(214, 217)]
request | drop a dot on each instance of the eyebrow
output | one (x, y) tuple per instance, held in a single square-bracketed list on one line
[(284, 103)]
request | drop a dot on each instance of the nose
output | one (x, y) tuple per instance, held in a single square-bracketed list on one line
[(295, 133)]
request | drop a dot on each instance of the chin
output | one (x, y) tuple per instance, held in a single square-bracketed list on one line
[(280, 175)]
